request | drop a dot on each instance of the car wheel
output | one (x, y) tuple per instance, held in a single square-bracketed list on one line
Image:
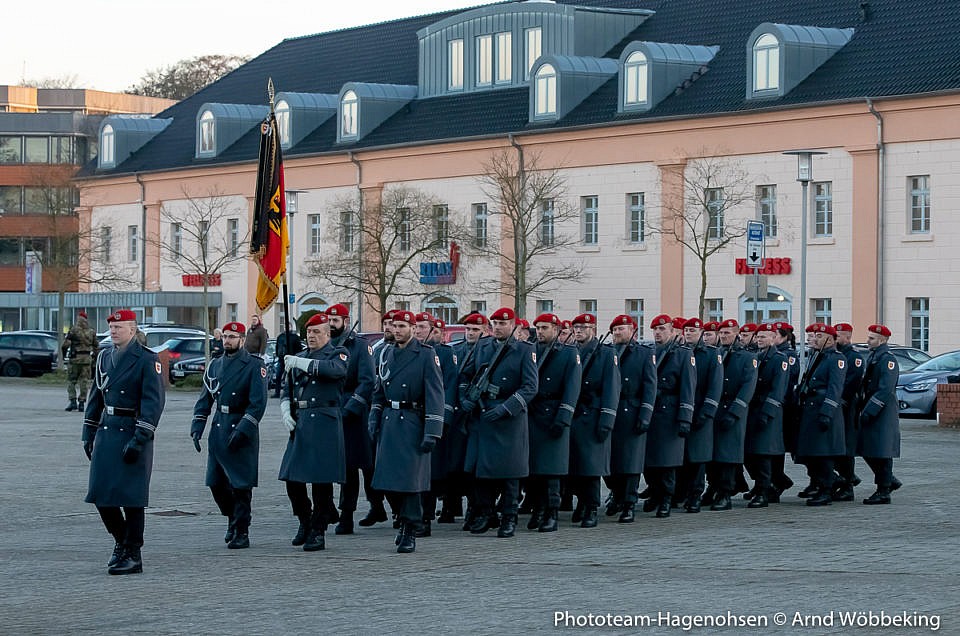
[(12, 369)]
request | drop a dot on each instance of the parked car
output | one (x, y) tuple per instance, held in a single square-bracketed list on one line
[(27, 353), (917, 389), (907, 357), (158, 334), (181, 349), (187, 366)]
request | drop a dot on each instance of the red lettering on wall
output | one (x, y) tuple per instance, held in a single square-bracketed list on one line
[(771, 266), (196, 280)]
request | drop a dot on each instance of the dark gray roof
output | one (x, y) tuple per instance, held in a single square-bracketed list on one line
[(900, 47)]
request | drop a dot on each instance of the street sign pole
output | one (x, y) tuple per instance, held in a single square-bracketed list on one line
[(755, 251)]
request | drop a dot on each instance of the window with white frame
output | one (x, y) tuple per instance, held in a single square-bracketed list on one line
[(484, 60), (919, 309), (480, 224), (478, 306), (402, 305), (767, 209), (591, 220), (455, 65), (766, 63), (504, 44), (348, 114), (588, 306), (635, 79), (315, 236), (544, 306), (347, 231), (107, 146), (715, 208), (106, 243), (822, 310), (404, 229), (233, 311), (283, 122), (441, 224), (547, 220), (534, 40), (714, 307), (633, 307), (823, 209), (176, 240), (207, 133), (133, 247), (545, 89), (919, 204), (233, 235), (203, 238), (636, 217)]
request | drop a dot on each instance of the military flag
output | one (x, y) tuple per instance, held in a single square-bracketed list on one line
[(270, 240)]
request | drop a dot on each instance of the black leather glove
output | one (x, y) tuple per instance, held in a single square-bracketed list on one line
[(684, 430), (555, 430), (133, 448), (196, 440), (236, 439), (641, 426), (494, 414), (602, 434), (824, 422), (88, 448), (428, 444), (466, 405)]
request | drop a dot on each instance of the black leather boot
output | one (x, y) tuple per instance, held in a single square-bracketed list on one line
[(722, 502), (315, 540), (240, 541), (231, 531), (692, 505), (81, 405), (72, 406), (809, 491), (407, 542), (345, 526), (882, 496), (626, 513), (481, 523), (821, 498), (117, 554), (130, 562), (663, 511), (613, 507), (590, 518), (508, 526), (549, 523), (536, 518), (423, 529), (842, 491), (376, 514), (759, 501)]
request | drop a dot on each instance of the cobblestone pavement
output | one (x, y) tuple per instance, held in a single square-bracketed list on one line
[(806, 563)]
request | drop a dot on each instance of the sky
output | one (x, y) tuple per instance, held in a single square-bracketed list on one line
[(110, 44)]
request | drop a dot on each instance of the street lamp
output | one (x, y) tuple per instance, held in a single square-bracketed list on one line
[(804, 176), (293, 199)]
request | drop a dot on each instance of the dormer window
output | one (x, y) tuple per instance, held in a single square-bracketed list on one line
[(455, 62), (635, 79), (107, 146), (207, 133), (283, 122), (348, 114), (485, 60), (534, 44), (766, 63), (546, 91), (504, 57)]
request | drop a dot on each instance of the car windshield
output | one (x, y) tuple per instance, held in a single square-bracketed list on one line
[(946, 362)]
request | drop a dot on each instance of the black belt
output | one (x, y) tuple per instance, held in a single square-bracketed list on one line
[(122, 412), (224, 408), (307, 404), (397, 405)]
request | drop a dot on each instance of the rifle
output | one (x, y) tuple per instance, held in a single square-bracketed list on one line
[(352, 333), (666, 352), (480, 385), (803, 387), (593, 354)]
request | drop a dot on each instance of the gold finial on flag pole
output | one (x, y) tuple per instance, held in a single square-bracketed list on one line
[(270, 92)]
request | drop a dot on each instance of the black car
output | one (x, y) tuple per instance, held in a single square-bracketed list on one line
[(181, 349), (27, 353)]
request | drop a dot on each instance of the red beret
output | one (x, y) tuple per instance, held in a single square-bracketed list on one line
[(122, 315), (424, 316), (713, 325), (318, 318), (388, 315), (584, 319), (523, 323), (843, 326), (236, 327), (475, 319), (662, 319), (504, 313), (623, 319), (729, 323), (770, 326), (82, 314), (880, 330), (830, 330), (338, 310), (405, 316), (786, 326), (679, 322), (566, 324), (696, 323), (748, 327), (439, 324), (552, 319), (812, 327)]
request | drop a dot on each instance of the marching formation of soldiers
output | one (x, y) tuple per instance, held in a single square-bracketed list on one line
[(500, 419)]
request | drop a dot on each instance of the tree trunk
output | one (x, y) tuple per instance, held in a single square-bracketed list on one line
[(703, 288), (206, 323), (61, 300)]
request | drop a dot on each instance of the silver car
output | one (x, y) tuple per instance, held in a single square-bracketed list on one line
[(917, 389)]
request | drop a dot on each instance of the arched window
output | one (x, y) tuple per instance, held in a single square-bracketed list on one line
[(443, 308), (283, 122), (546, 90), (107, 146), (635, 79), (348, 115), (766, 63), (207, 133)]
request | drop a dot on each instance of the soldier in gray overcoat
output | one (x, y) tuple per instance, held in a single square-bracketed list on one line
[(310, 410), (501, 381), (820, 436), (119, 423), (235, 389), (846, 463), (764, 437), (879, 440), (593, 420), (406, 420), (551, 412), (730, 423), (638, 393), (698, 449)]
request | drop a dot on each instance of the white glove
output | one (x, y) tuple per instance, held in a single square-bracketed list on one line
[(286, 416), (296, 362)]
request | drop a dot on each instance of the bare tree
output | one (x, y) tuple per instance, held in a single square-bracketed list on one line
[(186, 77), (713, 187), (531, 203), (203, 239), (380, 245), (69, 80)]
